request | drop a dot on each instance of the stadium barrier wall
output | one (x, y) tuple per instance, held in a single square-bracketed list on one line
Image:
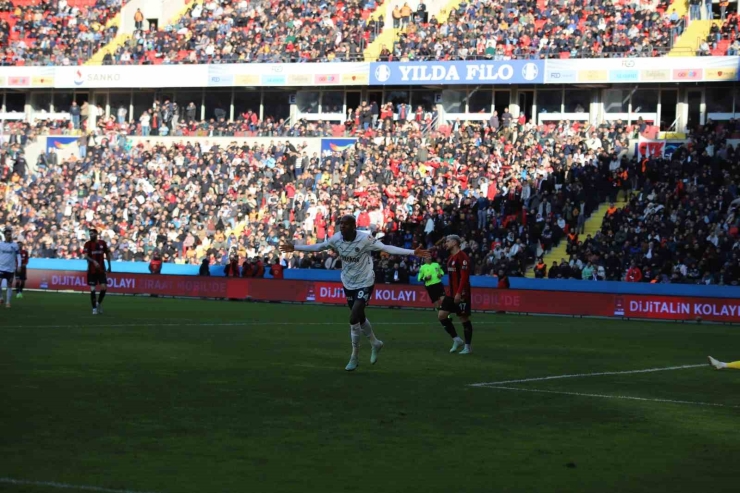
[(518, 283), (403, 296)]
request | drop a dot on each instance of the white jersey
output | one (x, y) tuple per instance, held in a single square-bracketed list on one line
[(357, 263), (10, 256)]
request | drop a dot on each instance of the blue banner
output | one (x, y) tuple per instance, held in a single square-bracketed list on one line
[(457, 73), (59, 143), (335, 145)]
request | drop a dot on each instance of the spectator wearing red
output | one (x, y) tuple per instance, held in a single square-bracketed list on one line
[(634, 274), (259, 269), (155, 265), (276, 270)]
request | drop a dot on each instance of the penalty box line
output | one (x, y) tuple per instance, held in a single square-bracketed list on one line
[(583, 375), (64, 486), (620, 397), (505, 385)]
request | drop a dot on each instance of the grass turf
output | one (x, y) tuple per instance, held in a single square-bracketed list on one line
[(181, 396)]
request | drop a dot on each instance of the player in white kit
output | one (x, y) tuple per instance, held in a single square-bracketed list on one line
[(358, 277), (10, 262)]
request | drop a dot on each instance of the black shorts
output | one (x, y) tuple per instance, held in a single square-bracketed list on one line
[(22, 274), (357, 294), (7, 276), (462, 309), (436, 291), (95, 278)]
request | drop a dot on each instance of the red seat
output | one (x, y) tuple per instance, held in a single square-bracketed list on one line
[(564, 55)]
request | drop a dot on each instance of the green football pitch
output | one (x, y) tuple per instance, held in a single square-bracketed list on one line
[(195, 396)]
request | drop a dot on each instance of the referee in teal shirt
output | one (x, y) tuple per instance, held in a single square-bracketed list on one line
[(431, 273)]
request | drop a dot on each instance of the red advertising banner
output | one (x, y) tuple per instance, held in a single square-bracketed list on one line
[(201, 287), (403, 296), (680, 308)]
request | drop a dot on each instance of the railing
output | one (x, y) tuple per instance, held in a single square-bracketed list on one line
[(677, 31)]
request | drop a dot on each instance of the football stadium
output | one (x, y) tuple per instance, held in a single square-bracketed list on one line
[(369, 246)]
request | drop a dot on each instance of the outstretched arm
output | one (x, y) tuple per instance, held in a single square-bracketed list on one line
[(379, 246), (289, 247)]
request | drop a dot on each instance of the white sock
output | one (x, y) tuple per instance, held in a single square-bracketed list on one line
[(367, 329), (8, 294), (354, 334), (457, 339), (467, 346)]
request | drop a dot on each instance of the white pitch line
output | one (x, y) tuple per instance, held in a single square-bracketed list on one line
[(65, 486), (623, 397), (583, 375), (225, 324)]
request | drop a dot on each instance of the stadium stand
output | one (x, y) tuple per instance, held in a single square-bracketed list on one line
[(70, 32), (263, 31), (588, 29), (511, 192), (680, 226), (65, 32)]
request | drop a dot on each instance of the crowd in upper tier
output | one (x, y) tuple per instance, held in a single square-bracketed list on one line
[(486, 29), (63, 32), (69, 32)]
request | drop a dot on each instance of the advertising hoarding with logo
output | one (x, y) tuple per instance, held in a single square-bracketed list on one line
[(457, 73), (630, 70), (403, 296), (328, 146)]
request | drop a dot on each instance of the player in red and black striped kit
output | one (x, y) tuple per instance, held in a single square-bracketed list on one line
[(96, 251), (458, 300), (20, 280)]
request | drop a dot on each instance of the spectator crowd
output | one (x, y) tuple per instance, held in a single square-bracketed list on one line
[(485, 29), (258, 31), (511, 191), (55, 32), (680, 224), (69, 32)]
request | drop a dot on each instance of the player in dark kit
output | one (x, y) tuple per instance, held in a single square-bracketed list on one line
[(96, 251), (457, 302), (20, 280)]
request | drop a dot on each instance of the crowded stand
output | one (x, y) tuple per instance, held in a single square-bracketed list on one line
[(266, 31), (69, 32), (511, 190), (680, 224), (498, 30), (14, 137), (64, 32), (723, 38)]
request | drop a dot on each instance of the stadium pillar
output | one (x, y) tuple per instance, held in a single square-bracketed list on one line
[(231, 106), (596, 108)]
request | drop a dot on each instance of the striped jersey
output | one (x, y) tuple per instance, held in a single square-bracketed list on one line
[(357, 262)]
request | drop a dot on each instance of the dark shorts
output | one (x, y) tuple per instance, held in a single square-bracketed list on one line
[(462, 309), (356, 294), (95, 278), (23, 274), (8, 276), (436, 291)]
